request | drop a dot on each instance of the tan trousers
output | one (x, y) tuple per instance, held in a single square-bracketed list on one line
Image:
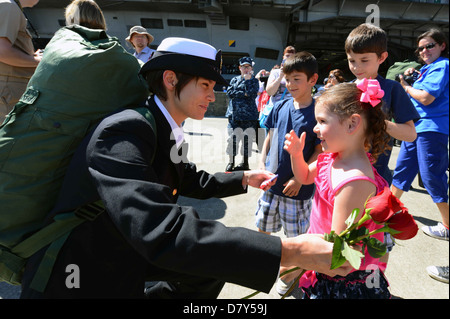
[(11, 89)]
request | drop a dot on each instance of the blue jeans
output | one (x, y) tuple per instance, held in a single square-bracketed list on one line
[(428, 154)]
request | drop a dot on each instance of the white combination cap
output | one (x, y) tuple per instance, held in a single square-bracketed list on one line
[(188, 46), (187, 56)]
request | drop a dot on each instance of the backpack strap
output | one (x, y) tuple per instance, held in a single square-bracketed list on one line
[(55, 234), (13, 261)]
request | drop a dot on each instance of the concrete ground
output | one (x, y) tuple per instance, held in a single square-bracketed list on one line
[(406, 271)]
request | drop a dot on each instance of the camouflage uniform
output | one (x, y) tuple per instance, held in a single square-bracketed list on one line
[(242, 113)]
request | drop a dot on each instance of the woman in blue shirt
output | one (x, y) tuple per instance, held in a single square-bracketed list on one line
[(428, 154)]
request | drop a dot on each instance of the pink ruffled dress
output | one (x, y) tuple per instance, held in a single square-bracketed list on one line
[(322, 210)]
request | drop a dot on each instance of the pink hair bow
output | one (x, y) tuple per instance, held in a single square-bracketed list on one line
[(372, 92)]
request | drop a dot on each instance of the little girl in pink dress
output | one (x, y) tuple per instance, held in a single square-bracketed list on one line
[(349, 123)]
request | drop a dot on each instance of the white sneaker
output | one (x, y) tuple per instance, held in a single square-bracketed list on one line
[(439, 231), (438, 273)]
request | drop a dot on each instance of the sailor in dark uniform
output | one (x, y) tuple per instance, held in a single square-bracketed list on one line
[(243, 113), (137, 171)]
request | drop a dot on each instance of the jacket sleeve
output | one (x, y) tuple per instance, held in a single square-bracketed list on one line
[(252, 88), (202, 185), (233, 89), (165, 234)]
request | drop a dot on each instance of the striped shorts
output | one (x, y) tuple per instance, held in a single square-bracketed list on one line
[(274, 211)]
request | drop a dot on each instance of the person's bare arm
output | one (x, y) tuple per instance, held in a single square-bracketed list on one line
[(273, 84), (402, 131), (420, 96), (12, 56), (303, 172), (264, 151)]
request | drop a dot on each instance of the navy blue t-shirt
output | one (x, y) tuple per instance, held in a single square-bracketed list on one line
[(398, 107), (282, 119)]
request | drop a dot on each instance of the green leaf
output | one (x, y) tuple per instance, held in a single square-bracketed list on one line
[(375, 248), (353, 256), (351, 219), (337, 259)]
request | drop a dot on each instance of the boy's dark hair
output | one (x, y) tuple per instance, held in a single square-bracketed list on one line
[(366, 38), (156, 86), (303, 62)]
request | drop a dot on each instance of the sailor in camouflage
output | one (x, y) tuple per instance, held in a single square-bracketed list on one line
[(242, 113)]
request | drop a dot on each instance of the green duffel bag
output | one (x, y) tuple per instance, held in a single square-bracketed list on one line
[(83, 76), (400, 67)]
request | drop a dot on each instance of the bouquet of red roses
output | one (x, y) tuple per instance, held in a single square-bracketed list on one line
[(384, 209)]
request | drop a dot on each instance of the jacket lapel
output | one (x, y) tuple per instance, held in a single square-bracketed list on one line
[(166, 142)]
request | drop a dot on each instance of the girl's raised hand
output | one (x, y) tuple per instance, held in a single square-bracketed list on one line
[(294, 145)]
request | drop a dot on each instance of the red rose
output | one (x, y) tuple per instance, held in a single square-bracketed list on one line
[(384, 206), (405, 224)]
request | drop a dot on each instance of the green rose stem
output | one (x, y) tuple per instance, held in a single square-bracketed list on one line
[(363, 219), (366, 217), (384, 229)]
